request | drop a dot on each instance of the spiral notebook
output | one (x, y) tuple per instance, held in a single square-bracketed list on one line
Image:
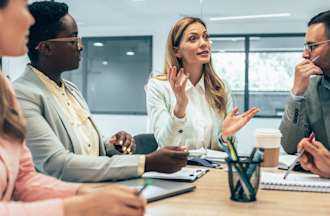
[(294, 182)]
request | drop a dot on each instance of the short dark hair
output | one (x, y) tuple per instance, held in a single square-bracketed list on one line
[(3, 3), (47, 15), (323, 17)]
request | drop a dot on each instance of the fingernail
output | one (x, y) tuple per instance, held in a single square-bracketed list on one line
[(124, 148)]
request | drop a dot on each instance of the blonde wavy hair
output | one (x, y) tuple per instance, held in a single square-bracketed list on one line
[(11, 120), (215, 91)]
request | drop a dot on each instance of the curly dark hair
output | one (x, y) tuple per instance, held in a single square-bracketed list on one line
[(323, 17), (47, 15), (3, 3)]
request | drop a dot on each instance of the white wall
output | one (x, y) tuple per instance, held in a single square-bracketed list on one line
[(14, 67), (110, 124)]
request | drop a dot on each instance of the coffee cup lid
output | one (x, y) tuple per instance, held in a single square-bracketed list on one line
[(266, 132)]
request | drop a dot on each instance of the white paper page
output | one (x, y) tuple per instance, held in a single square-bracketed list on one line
[(186, 173)]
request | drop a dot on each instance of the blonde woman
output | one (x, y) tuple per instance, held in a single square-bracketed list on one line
[(23, 191), (189, 104)]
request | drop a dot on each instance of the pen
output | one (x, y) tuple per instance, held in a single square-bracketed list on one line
[(315, 58), (252, 154), (310, 138), (255, 156), (232, 149), (146, 184), (244, 179)]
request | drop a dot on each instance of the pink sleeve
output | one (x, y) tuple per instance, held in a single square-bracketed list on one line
[(32, 186), (48, 207)]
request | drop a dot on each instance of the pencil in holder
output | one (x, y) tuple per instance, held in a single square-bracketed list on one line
[(244, 178)]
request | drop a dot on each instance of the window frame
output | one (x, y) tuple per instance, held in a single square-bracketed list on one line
[(247, 51)]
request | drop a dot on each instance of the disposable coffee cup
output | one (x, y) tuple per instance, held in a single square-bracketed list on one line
[(268, 140)]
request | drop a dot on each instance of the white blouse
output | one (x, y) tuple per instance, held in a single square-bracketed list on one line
[(201, 126)]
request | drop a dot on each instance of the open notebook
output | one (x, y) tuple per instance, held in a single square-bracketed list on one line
[(294, 182), (185, 174), (211, 155), (285, 161), (216, 156)]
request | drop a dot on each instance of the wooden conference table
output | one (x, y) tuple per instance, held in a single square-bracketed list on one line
[(212, 197)]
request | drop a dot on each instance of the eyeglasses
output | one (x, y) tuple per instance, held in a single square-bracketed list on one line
[(313, 46), (77, 40)]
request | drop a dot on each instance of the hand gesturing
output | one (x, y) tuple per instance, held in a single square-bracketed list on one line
[(234, 122), (178, 81)]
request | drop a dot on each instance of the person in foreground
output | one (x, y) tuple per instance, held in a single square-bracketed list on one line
[(62, 135), (189, 104), (23, 191), (308, 108)]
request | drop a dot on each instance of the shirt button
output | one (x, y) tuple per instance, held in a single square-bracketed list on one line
[(180, 131), (89, 145)]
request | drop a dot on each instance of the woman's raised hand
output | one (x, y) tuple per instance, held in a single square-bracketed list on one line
[(234, 121), (178, 82)]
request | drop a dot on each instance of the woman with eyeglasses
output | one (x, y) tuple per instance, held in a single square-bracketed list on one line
[(23, 191), (190, 104), (63, 137)]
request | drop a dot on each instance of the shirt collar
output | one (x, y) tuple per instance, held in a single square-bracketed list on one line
[(326, 82), (200, 84)]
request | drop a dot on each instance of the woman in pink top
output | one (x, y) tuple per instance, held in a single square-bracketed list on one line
[(39, 194)]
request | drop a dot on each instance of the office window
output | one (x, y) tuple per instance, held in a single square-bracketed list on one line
[(76, 76), (271, 70), (259, 68), (228, 56), (113, 73)]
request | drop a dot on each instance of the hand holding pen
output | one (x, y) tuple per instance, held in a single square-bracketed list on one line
[(300, 154), (316, 157), (147, 182)]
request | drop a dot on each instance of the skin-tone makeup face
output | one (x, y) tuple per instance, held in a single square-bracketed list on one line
[(318, 33), (15, 21), (195, 46)]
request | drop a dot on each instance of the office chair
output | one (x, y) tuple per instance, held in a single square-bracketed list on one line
[(145, 143)]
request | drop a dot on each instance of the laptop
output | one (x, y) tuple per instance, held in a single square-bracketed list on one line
[(159, 189)]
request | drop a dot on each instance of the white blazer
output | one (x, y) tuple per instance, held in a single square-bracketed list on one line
[(201, 123)]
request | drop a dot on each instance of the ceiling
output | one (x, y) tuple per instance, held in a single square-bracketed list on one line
[(162, 13)]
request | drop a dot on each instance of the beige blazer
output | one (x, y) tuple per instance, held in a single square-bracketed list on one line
[(55, 148)]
